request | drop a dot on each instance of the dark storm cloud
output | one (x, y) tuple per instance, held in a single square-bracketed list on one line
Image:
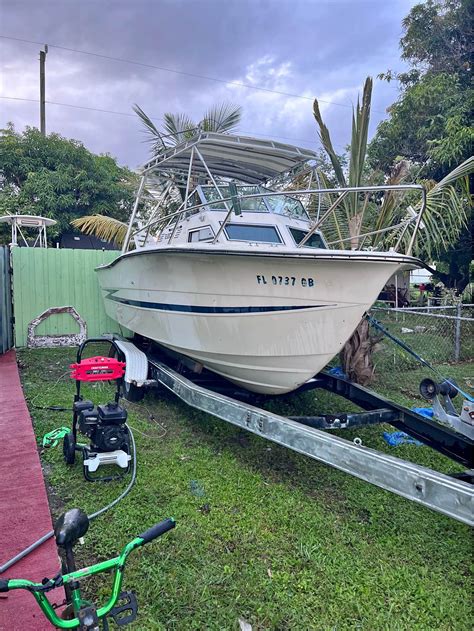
[(323, 48)]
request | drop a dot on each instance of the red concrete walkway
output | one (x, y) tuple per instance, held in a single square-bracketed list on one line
[(24, 510)]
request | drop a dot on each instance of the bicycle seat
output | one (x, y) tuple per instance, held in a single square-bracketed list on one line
[(70, 527)]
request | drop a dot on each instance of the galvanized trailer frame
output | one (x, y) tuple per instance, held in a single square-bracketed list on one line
[(446, 494)]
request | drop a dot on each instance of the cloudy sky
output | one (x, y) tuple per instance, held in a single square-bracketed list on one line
[(302, 48)]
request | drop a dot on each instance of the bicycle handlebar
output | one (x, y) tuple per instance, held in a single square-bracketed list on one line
[(157, 530), (117, 564)]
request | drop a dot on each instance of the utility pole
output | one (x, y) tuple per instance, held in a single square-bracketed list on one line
[(43, 54)]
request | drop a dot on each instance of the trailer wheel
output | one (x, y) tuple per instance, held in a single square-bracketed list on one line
[(69, 448), (132, 392)]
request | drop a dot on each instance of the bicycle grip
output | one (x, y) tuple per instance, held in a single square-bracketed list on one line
[(4, 585), (157, 530)]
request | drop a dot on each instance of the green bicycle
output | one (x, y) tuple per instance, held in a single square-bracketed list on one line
[(80, 614)]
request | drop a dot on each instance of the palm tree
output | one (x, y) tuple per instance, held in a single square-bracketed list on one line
[(445, 213), (222, 118), (443, 219)]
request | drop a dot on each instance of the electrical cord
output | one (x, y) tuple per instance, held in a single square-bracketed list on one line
[(151, 418), (55, 408)]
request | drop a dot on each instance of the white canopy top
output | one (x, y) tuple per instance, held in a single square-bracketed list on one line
[(242, 158), (28, 221)]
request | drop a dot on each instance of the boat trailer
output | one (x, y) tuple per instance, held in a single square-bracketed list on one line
[(452, 495)]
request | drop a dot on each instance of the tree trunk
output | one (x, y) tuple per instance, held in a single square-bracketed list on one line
[(356, 355)]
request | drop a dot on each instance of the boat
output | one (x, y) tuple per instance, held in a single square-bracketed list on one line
[(239, 277)]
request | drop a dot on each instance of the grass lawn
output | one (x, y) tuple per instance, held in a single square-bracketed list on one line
[(263, 533)]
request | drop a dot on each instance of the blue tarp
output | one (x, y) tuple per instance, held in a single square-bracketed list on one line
[(338, 372), (428, 412), (399, 438)]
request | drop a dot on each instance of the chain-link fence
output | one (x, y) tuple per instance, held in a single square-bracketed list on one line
[(439, 334)]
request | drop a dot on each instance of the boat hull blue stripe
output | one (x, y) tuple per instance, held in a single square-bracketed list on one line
[(159, 306)]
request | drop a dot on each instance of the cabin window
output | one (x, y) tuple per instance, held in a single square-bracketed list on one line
[(278, 204), (286, 205), (203, 234), (254, 204), (315, 240), (248, 232), (211, 195)]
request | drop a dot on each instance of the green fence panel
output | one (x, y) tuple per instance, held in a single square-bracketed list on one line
[(6, 320), (45, 278)]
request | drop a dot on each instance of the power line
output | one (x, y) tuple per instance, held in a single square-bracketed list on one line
[(79, 107), (96, 109), (180, 72), (17, 98)]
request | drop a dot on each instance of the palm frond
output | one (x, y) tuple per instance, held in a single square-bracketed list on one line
[(336, 227), (222, 118), (102, 227), (179, 127), (459, 175), (360, 130), (389, 208), (325, 138), (355, 213), (445, 213), (358, 150), (153, 134)]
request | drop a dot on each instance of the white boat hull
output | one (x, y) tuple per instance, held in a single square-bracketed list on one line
[(265, 322)]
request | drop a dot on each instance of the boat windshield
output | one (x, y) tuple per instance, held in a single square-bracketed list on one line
[(277, 204)]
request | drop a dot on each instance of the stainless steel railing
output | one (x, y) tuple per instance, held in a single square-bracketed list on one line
[(162, 222)]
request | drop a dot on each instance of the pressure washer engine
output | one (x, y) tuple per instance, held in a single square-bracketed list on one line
[(105, 425)]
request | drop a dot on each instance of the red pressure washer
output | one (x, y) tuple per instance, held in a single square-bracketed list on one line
[(105, 425)]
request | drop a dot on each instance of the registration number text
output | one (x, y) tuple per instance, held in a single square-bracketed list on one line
[(291, 281)]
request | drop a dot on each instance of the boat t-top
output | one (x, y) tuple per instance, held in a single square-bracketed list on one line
[(230, 265)]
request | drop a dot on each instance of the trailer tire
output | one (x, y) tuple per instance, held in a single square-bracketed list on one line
[(69, 448), (133, 393)]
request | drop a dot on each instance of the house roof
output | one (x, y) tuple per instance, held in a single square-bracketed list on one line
[(74, 241)]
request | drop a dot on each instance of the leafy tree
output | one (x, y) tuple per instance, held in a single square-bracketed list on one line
[(59, 178), (439, 36), (430, 123)]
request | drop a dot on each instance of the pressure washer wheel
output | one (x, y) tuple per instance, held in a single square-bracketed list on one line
[(132, 392), (69, 448)]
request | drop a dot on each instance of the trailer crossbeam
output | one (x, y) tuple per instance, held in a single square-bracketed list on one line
[(442, 438), (344, 421), (447, 495)]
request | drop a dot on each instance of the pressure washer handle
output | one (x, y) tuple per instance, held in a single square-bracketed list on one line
[(157, 530)]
